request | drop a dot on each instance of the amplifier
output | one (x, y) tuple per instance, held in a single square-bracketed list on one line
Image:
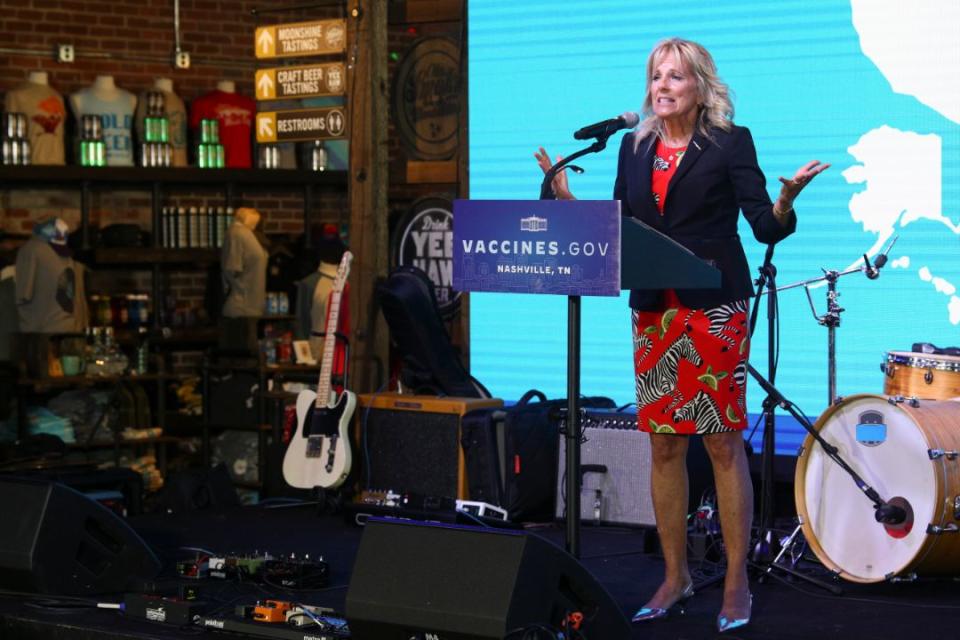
[(411, 444), (616, 460), (617, 490)]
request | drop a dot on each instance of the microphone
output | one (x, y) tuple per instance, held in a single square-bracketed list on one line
[(607, 128), (890, 514), (872, 271)]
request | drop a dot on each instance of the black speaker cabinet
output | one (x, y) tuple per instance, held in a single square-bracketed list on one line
[(56, 540), (412, 443), (444, 582)]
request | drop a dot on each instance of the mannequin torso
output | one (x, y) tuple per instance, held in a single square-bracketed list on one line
[(243, 261), (234, 114), (115, 106), (176, 113), (45, 113)]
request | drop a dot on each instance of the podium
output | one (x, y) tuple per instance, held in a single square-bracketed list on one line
[(574, 248)]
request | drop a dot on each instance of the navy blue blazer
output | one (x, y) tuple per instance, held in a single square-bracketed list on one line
[(716, 180)]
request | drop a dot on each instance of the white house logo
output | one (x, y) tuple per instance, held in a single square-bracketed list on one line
[(533, 223)]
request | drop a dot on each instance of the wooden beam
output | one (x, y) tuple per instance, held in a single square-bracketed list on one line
[(434, 10), (369, 103), (432, 171)]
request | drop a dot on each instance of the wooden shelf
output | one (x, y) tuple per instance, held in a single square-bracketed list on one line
[(171, 175), (131, 442), (251, 428), (181, 336), (148, 256), (92, 381)]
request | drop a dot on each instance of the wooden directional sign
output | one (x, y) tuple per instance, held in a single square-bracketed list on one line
[(301, 82), (301, 124), (301, 39)]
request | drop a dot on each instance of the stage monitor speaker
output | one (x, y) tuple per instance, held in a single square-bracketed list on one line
[(615, 463), (445, 582), (56, 540), (411, 444)]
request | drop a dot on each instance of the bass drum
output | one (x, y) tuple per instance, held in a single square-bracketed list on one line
[(907, 452)]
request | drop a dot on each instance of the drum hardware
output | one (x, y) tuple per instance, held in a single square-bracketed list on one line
[(928, 376), (909, 577), (936, 454), (912, 401), (786, 547), (831, 319), (935, 530), (956, 508)]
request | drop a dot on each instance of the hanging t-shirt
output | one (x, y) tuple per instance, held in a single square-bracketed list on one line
[(49, 290), (176, 113), (46, 114), (244, 263), (115, 108), (234, 113)]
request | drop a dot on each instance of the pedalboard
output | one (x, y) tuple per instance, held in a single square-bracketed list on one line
[(162, 609)]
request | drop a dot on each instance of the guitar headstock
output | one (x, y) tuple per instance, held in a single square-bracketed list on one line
[(343, 271)]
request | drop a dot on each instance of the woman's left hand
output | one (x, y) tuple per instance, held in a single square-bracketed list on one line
[(791, 188)]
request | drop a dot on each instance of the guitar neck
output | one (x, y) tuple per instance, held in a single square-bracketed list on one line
[(324, 383)]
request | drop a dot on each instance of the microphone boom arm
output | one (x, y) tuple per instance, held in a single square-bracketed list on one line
[(546, 187)]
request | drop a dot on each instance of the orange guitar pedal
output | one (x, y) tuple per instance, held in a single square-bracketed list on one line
[(271, 611)]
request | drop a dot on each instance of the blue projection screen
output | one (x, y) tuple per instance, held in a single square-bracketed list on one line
[(870, 86)]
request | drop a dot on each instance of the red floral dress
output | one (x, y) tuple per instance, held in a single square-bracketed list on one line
[(690, 364)]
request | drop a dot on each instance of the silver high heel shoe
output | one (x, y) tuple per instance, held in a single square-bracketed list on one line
[(645, 614), (725, 624)]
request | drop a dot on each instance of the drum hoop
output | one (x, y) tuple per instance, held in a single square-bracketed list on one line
[(926, 361)]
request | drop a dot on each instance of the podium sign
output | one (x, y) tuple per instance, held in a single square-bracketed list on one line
[(569, 247)]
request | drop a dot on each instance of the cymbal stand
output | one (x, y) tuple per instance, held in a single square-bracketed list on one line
[(831, 319)]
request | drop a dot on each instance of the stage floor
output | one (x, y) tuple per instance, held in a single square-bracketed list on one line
[(615, 556)]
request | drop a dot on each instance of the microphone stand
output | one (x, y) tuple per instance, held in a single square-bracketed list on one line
[(572, 431), (766, 538), (546, 187), (762, 555), (884, 511), (831, 319)]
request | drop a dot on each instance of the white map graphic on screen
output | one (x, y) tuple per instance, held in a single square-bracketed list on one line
[(902, 170)]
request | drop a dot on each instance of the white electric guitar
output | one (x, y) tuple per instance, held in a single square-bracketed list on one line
[(319, 451)]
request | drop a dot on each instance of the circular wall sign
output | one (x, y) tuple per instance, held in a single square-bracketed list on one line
[(426, 97), (424, 239)]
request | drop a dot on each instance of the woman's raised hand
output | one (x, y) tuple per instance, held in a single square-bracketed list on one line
[(561, 188), (791, 188)]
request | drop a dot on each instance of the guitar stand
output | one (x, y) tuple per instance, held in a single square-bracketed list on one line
[(329, 502)]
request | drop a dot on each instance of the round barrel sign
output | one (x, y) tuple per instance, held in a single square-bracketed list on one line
[(424, 239), (427, 98)]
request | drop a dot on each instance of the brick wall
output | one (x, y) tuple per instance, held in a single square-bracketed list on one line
[(133, 40)]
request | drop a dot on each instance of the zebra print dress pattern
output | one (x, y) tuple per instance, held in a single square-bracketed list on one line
[(691, 368)]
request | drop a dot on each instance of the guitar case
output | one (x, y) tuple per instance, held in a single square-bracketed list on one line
[(511, 454), (430, 365)]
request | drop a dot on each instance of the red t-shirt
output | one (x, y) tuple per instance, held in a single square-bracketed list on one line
[(234, 112), (665, 161)]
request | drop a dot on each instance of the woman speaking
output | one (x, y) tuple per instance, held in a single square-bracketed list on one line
[(688, 171)]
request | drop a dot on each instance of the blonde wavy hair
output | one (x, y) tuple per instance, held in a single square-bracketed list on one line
[(715, 108)]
